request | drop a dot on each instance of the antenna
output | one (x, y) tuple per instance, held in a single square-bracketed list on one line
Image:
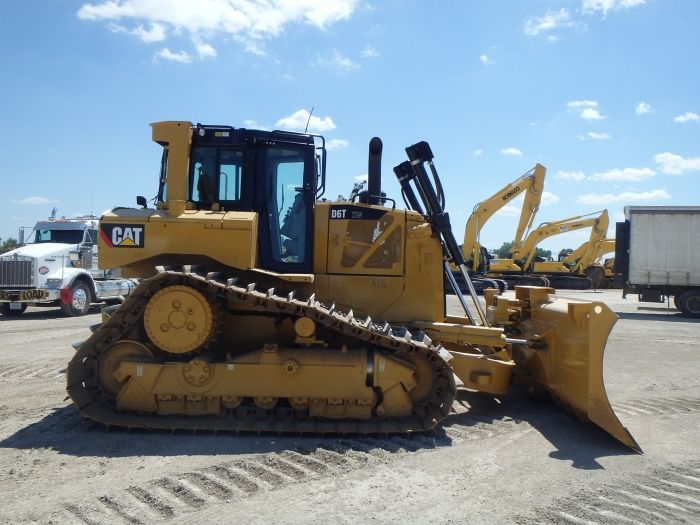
[(309, 119)]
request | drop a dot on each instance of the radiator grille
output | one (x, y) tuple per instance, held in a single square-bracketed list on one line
[(16, 273)]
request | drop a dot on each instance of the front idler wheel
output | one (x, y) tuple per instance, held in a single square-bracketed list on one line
[(110, 361)]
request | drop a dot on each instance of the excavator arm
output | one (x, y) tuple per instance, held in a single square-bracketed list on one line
[(604, 246), (531, 184), (598, 224), (589, 253)]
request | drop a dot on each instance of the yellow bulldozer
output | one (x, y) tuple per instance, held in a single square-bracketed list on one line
[(264, 307)]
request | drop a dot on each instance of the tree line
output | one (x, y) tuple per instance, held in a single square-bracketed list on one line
[(7, 245)]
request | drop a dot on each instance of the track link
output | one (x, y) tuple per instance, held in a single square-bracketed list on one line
[(93, 402)]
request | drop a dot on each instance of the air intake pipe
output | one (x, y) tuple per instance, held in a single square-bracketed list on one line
[(373, 195)]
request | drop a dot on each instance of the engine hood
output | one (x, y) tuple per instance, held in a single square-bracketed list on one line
[(40, 250)]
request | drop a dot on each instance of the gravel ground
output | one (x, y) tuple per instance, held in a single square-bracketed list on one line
[(507, 460)]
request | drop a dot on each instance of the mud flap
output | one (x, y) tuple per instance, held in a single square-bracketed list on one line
[(567, 358)]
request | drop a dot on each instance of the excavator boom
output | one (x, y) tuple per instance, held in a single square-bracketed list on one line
[(531, 185), (598, 222)]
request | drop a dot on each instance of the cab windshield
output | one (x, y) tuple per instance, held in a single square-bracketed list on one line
[(63, 236)]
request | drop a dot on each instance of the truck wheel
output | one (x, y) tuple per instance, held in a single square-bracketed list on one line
[(79, 303), (689, 303), (5, 310)]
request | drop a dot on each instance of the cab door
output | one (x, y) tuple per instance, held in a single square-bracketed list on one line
[(285, 193)]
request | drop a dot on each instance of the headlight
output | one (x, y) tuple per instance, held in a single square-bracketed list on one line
[(53, 283)]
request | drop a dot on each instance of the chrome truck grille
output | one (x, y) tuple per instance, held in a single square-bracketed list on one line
[(16, 273)]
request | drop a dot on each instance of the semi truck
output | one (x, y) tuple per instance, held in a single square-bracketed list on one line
[(58, 266), (657, 252)]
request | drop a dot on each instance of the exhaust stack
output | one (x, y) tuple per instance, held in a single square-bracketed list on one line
[(374, 172)]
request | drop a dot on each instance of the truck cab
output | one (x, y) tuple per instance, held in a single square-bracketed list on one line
[(57, 265)]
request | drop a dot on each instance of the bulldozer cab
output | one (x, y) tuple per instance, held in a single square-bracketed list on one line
[(276, 174)]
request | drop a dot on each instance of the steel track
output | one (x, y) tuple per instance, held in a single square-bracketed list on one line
[(94, 403)]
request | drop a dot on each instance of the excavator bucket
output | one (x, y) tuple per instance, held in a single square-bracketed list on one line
[(566, 356)]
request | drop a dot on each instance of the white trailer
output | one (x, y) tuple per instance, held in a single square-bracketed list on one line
[(658, 255), (58, 267)]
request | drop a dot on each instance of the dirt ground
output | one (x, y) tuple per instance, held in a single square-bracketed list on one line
[(507, 460)]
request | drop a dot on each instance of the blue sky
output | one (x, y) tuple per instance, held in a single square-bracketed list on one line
[(604, 93)]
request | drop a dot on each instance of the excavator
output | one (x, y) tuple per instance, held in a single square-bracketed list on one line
[(556, 273), (531, 185), (586, 261), (263, 307)]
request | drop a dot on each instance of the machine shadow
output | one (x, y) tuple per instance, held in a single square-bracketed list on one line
[(67, 432), (666, 317), (46, 313), (579, 443)]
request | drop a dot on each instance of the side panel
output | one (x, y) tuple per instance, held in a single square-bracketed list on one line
[(664, 248), (365, 240), (383, 263), (138, 244)]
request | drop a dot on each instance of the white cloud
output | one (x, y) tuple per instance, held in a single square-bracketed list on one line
[(370, 52), (570, 175), (255, 47), (478, 152), (165, 53), (297, 122), (509, 211), (625, 174), (254, 124), (582, 104), (599, 136), (205, 50), (552, 38), (687, 117), (672, 164), (485, 59), (338, 62), (336, 144), (591, 114), (33, 201), (549, 198), (512, 152), (588, 109), (551, 20), (592, 6), (156, 32), (642, 108), (245, 20), (628, 197)]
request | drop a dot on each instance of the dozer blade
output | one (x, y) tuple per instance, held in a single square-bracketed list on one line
[(569, 363)]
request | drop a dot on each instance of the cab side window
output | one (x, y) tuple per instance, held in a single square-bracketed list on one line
[(216, 175), (90, 236), (230, 175)]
